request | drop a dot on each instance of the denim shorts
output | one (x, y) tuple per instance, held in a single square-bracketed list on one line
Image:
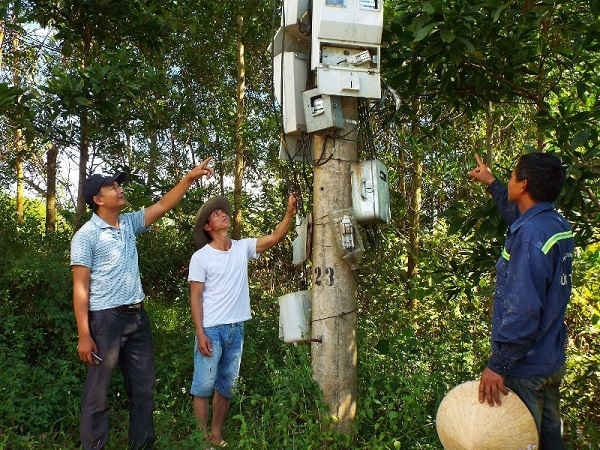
[(218, 372)]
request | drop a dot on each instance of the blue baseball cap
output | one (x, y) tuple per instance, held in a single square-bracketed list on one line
[(94, 183)]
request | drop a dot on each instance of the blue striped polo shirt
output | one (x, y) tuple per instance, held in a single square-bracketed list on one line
[(111, 255)]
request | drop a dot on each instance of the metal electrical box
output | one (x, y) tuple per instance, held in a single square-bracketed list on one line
[(347, 237), (370, 192), (322, 111), (352, 21), (289, 80), (345, 49), (349, 83), (295, 317)]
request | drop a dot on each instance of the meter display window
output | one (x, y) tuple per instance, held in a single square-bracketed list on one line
[(335, 3), (369, 4)]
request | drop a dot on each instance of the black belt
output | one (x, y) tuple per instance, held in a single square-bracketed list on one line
[(132, 308)]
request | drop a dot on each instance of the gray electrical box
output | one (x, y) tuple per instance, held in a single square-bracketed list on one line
[(289, 80), (345, 47), (370, 192), (322, 111)]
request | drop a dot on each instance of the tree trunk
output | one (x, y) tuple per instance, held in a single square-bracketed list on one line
[(220, 170), (20, 200), (489, 135), (400, 138), (239, 134), (153, 157), (51, 157), (414, 215), (541, 111), (83, 160), (334, 354), (1, 40), (414, 200), (83, 134), (401, 168), (541, 78)]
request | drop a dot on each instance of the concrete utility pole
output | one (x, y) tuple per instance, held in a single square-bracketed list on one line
[(345, 58), (334, 353)]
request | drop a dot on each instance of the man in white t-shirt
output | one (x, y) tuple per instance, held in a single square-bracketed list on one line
[(220, 304)]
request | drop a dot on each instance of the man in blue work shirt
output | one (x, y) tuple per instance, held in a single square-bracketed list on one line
[(112, 326), (533, 286)]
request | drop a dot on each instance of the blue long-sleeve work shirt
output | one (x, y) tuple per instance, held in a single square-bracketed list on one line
[(533, 286)]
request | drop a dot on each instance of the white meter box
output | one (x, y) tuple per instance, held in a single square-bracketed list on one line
[(295, 316), (356, 21), (345, 47), (349, 71), (349, 83), (322, 111), (370, 192), (289, 87)]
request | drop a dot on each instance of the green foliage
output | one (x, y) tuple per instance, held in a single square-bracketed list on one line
[(282, 409), (583, 367), (40, 378), (164, 264)]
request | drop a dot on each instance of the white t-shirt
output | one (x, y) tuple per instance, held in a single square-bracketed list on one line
[(226, 296)]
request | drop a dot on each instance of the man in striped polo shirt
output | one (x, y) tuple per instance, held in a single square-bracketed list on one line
[(112, 326), (533, 286)]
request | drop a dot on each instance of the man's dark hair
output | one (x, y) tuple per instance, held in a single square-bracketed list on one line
[(544, 173)]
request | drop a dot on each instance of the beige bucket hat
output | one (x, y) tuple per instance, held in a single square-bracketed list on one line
[(463, 423), (201, 237)]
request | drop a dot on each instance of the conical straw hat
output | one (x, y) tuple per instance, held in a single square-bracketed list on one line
[(463, 423)]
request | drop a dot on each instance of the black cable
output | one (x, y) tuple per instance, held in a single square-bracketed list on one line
[(320, 161)]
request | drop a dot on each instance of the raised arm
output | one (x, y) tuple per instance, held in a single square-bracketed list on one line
[(266, 242), (174, 196), (483, 174), (81, 300)]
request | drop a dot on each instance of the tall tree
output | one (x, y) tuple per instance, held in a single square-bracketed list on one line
[(19, 144), (51, 157), (239, 131)]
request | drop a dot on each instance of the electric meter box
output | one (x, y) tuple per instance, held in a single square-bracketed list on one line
[(348, 83), (352, 21), (322, 111), (348, 240), (295, 316), (301, 244), (289, 87), (370, 192), (345, 50)]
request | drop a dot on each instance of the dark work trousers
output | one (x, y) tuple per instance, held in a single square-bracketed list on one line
[(123, 339), (541, 395)]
